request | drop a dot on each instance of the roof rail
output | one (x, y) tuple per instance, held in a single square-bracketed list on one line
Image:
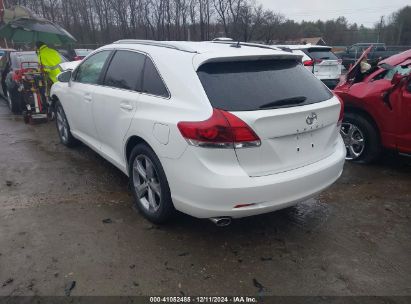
[(236, 44), (165, 44)]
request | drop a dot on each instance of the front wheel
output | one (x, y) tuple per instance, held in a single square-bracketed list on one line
[(361, 138), (149, 185), (63, 127), (14, 101)]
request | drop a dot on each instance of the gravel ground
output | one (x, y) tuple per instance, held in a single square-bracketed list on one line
[(66, 216)]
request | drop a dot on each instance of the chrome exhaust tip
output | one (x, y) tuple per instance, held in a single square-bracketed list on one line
[(221, 221)]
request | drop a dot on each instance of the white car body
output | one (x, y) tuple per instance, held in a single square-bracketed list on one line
[(294, 161), (327, 70)]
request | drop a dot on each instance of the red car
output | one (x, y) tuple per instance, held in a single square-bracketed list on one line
[(377, 108)]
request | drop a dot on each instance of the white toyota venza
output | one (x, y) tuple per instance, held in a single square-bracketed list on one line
[(216, 130)]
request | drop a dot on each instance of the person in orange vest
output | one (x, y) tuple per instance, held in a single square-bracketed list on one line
[(50, 59)]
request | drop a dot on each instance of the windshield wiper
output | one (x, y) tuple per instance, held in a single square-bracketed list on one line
[(284, 102)]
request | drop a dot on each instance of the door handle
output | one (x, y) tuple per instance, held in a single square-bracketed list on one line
[(126, 106), (88, 98)]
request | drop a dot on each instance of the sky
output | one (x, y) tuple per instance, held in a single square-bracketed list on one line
[(366, 12)]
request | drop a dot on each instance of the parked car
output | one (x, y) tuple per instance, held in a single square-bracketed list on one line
[(320, 61), (11, 64), (378, 52), (5, 51), (75, 54), (377, 108), (80, 54), (211, 130)]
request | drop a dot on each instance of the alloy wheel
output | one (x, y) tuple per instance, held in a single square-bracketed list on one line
[(9, 99), (62, 124), (353, 139), (147, 183)]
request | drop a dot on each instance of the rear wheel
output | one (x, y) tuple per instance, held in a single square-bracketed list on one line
[(14, 101), (149, 185), (63, 127), (361, 138)]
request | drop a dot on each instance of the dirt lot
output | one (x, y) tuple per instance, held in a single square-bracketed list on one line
[(354, 239)]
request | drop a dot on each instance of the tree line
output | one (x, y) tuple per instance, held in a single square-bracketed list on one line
[(103, 21)]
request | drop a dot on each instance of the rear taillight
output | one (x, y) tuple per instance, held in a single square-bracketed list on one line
[(77, 58), (221, 130), (308, 63)]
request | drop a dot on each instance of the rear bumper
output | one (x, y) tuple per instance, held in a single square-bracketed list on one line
[(202, 192), (331, 83)]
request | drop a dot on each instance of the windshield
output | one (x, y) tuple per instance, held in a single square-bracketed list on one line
[(321, 53), (260, 84), (29, 59), (402, 70)]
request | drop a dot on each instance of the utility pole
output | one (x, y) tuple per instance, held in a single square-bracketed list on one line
[(1, 11), (380, 28), (400, 32), (2, 19)]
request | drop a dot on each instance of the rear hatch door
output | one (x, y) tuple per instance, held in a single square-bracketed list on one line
[(326, 64), (291, 111)]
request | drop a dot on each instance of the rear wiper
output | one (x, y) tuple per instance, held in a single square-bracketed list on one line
[(284, 102)]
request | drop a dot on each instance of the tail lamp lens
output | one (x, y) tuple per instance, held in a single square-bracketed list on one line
[(221, 130), (308, 63)]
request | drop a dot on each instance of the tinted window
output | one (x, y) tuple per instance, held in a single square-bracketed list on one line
[(29, 59), (152, 82), (89, 71), (125, 71), (252, 85), (324, 54)]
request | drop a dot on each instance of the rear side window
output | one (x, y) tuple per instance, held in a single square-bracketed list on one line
[(262, 84), (125, 71), (321, 53), (152, 82)]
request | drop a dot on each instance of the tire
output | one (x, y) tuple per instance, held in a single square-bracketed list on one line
[(361, 138), (157, 207), (63, 127), (14, 101)]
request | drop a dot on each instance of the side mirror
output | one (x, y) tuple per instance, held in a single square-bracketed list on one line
[(65, 76), (396, 79)]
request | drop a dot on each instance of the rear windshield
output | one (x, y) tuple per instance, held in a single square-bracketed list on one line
[(28, 59), (260, 84), (320, 53)]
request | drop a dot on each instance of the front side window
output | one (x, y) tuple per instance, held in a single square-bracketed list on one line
[(152, 82), (125, 71), (89, 71)]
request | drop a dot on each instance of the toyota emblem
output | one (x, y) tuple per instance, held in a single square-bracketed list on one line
[(311, 118)]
